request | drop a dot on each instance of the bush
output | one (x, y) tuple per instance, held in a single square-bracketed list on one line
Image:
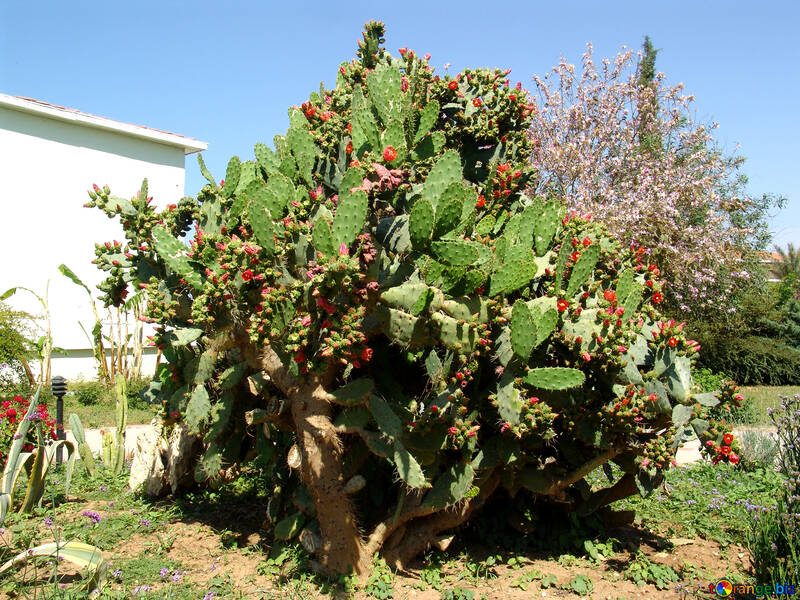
[(708, 380), (16, 348), (745, 413), (758, 450), (774, 539), (90, 393), (751, 360), (415, 331)]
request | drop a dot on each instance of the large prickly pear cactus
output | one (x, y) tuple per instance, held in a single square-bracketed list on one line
[(376, 311)]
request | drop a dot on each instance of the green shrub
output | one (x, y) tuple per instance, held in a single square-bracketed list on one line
[(774, 537), (707, 380), (90, 393), (751, 360), (758, 450), (416, 331)]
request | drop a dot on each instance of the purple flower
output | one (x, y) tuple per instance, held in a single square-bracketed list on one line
[(48, 522), (102, 488), (176, 576), (93, 516), (146, 523), (116, 573), (210, 595), (139, 589), (164, 572)]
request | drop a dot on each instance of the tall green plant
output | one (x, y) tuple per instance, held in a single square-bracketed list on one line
[(114, 443), (410, 332), (37, 463)]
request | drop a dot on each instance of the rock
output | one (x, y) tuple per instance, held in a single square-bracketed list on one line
[(181, 457), (161, 465)]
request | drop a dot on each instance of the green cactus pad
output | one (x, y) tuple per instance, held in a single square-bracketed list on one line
[(394, 136), (546, 322), (289, 527), (384, 93), (449, 210), (266, 158), (232, 174), (450, 487), (582, 270), (555, 378), (429, 147), (354, 392), (457, 253), (204, 170), (445, 172), (279, 192), (198, 408), (353, 417), (322, 238), (633, 300), (173, 252), (420, 224), (408, 468), (261, 220), (301, 144), (624, 285), (561, 263), (511, 276), (401, 327), (485, 225), (351, 215), (389, 424), (523, 330), (509, 404), (546, 226), (408, 297), (427, 118), (455, 334)]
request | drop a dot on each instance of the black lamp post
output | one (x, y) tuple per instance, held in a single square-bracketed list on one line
[(59, 387)]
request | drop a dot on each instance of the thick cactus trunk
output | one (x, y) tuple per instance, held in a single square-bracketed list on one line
[(321, 469)]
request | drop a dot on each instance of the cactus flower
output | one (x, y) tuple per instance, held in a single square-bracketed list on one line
[(562, 305), (727, 439), (389, 154)]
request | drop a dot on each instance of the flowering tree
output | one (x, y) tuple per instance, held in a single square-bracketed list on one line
[(617, 142)]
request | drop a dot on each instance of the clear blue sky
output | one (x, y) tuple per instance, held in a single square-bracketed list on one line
[(225, 72)]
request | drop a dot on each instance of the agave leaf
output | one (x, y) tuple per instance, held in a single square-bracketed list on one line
[(83, 555)]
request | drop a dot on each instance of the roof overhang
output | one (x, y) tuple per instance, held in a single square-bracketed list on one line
[(60, 113)]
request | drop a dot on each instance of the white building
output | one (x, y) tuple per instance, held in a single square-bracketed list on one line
[(49, 157)]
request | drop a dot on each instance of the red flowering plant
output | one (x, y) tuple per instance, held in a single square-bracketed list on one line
[(412, 333), (12, 411), (718, 442)]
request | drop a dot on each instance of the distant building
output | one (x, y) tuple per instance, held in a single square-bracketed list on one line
[(49, 157), (773, 261)]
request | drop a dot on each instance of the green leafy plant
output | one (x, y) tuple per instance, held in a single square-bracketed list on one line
[(114, 443), (579, 584), (458, 593), (380, 583), (758, 450), (641, 570), (36, 462), (774, 538), (379, 312)]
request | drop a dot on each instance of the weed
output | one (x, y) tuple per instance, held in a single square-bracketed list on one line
[(526, 578), (579, 584), (380, 583), (458, 593), (641, 570)]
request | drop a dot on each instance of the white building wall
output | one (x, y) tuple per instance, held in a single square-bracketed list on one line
[(46, 168)]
